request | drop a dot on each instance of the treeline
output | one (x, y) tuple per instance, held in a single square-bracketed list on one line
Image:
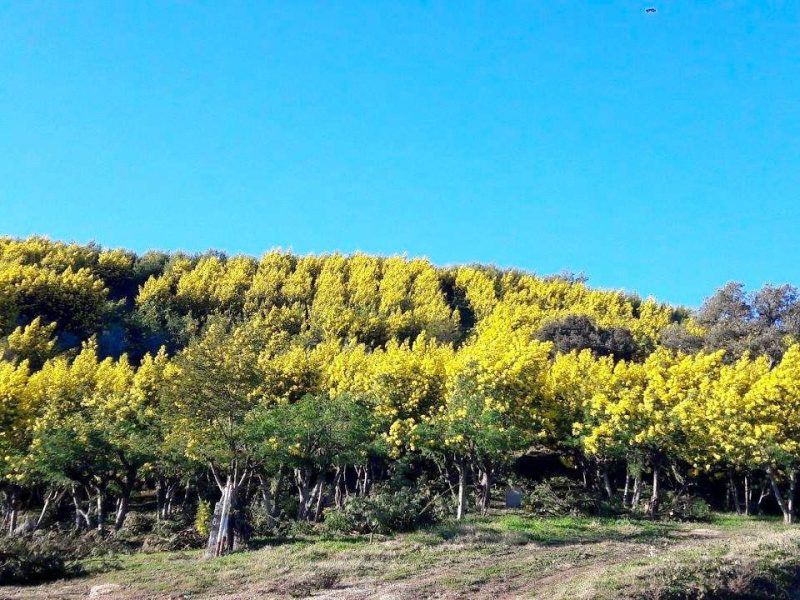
[(233, 378)]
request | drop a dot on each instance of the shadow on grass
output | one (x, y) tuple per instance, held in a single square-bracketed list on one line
[(334, 540)]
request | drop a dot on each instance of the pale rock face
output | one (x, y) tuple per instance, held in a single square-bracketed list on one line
[(104, 590)]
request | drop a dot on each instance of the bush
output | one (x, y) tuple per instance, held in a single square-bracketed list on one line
[(138, 523), (561, 497), (383, 512), (33, 559), (260, 519), (298, 528), (684, 507), (184, 539), (202, 518)]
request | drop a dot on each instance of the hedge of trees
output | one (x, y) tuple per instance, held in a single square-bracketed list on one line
[(124, 374)]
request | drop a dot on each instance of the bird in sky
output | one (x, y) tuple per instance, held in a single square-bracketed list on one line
[(650, 10)]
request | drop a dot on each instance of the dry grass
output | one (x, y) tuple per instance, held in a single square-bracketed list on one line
[(504, 556)]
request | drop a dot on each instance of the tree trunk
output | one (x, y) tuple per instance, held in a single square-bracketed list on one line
[(221, 534), (101, 511), (320, 492), (367, 478), (125, 498), (626, 491), (734, 493), (765, 492), (159, 498), (652, 508), (83, 518), (186, 491), (609, 489), (306, 493), (748, 495), (637, 491), (13, 510), (169, 498), (52, 498), (462, 490), (266, 497), (786, 504), (485, 489), (338, 492), (122, 510)]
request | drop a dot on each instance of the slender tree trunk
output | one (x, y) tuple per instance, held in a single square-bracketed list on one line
[(302, 480), (122, 510), (609, 489), (748, 495), (125, 498), (462, 490), (186, 491), (338, 493), (275, 488), (734, 492), (763, 495), (320, 492), (367, 478), (13, 510), (266, 497), (160, 498), (51, 499), (101, 510), (169, 498), (786, 504), (486, 489), (626, 491), (652, 508), (637, 491)]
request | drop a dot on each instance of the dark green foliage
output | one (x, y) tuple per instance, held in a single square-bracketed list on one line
[(383, 512), (138, 523), (579, 332), (32, 560), (684, 507), (169, 535), (561, 496), (757, 322)]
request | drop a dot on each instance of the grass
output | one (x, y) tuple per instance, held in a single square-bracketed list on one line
[(508, 554)]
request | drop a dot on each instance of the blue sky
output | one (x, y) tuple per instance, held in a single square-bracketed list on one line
[(656, 153)]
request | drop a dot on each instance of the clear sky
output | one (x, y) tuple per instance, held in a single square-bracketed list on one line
[(655, 152)]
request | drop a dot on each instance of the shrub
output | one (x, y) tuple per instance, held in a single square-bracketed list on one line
[(138, 523), (383, 512), (260, 519), (202, 518), (184, 539), (561, 496), (33, 559), (684, 507), (299, 528)]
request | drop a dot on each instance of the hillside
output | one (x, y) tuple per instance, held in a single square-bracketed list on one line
[(173, 402), (511, 556)]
